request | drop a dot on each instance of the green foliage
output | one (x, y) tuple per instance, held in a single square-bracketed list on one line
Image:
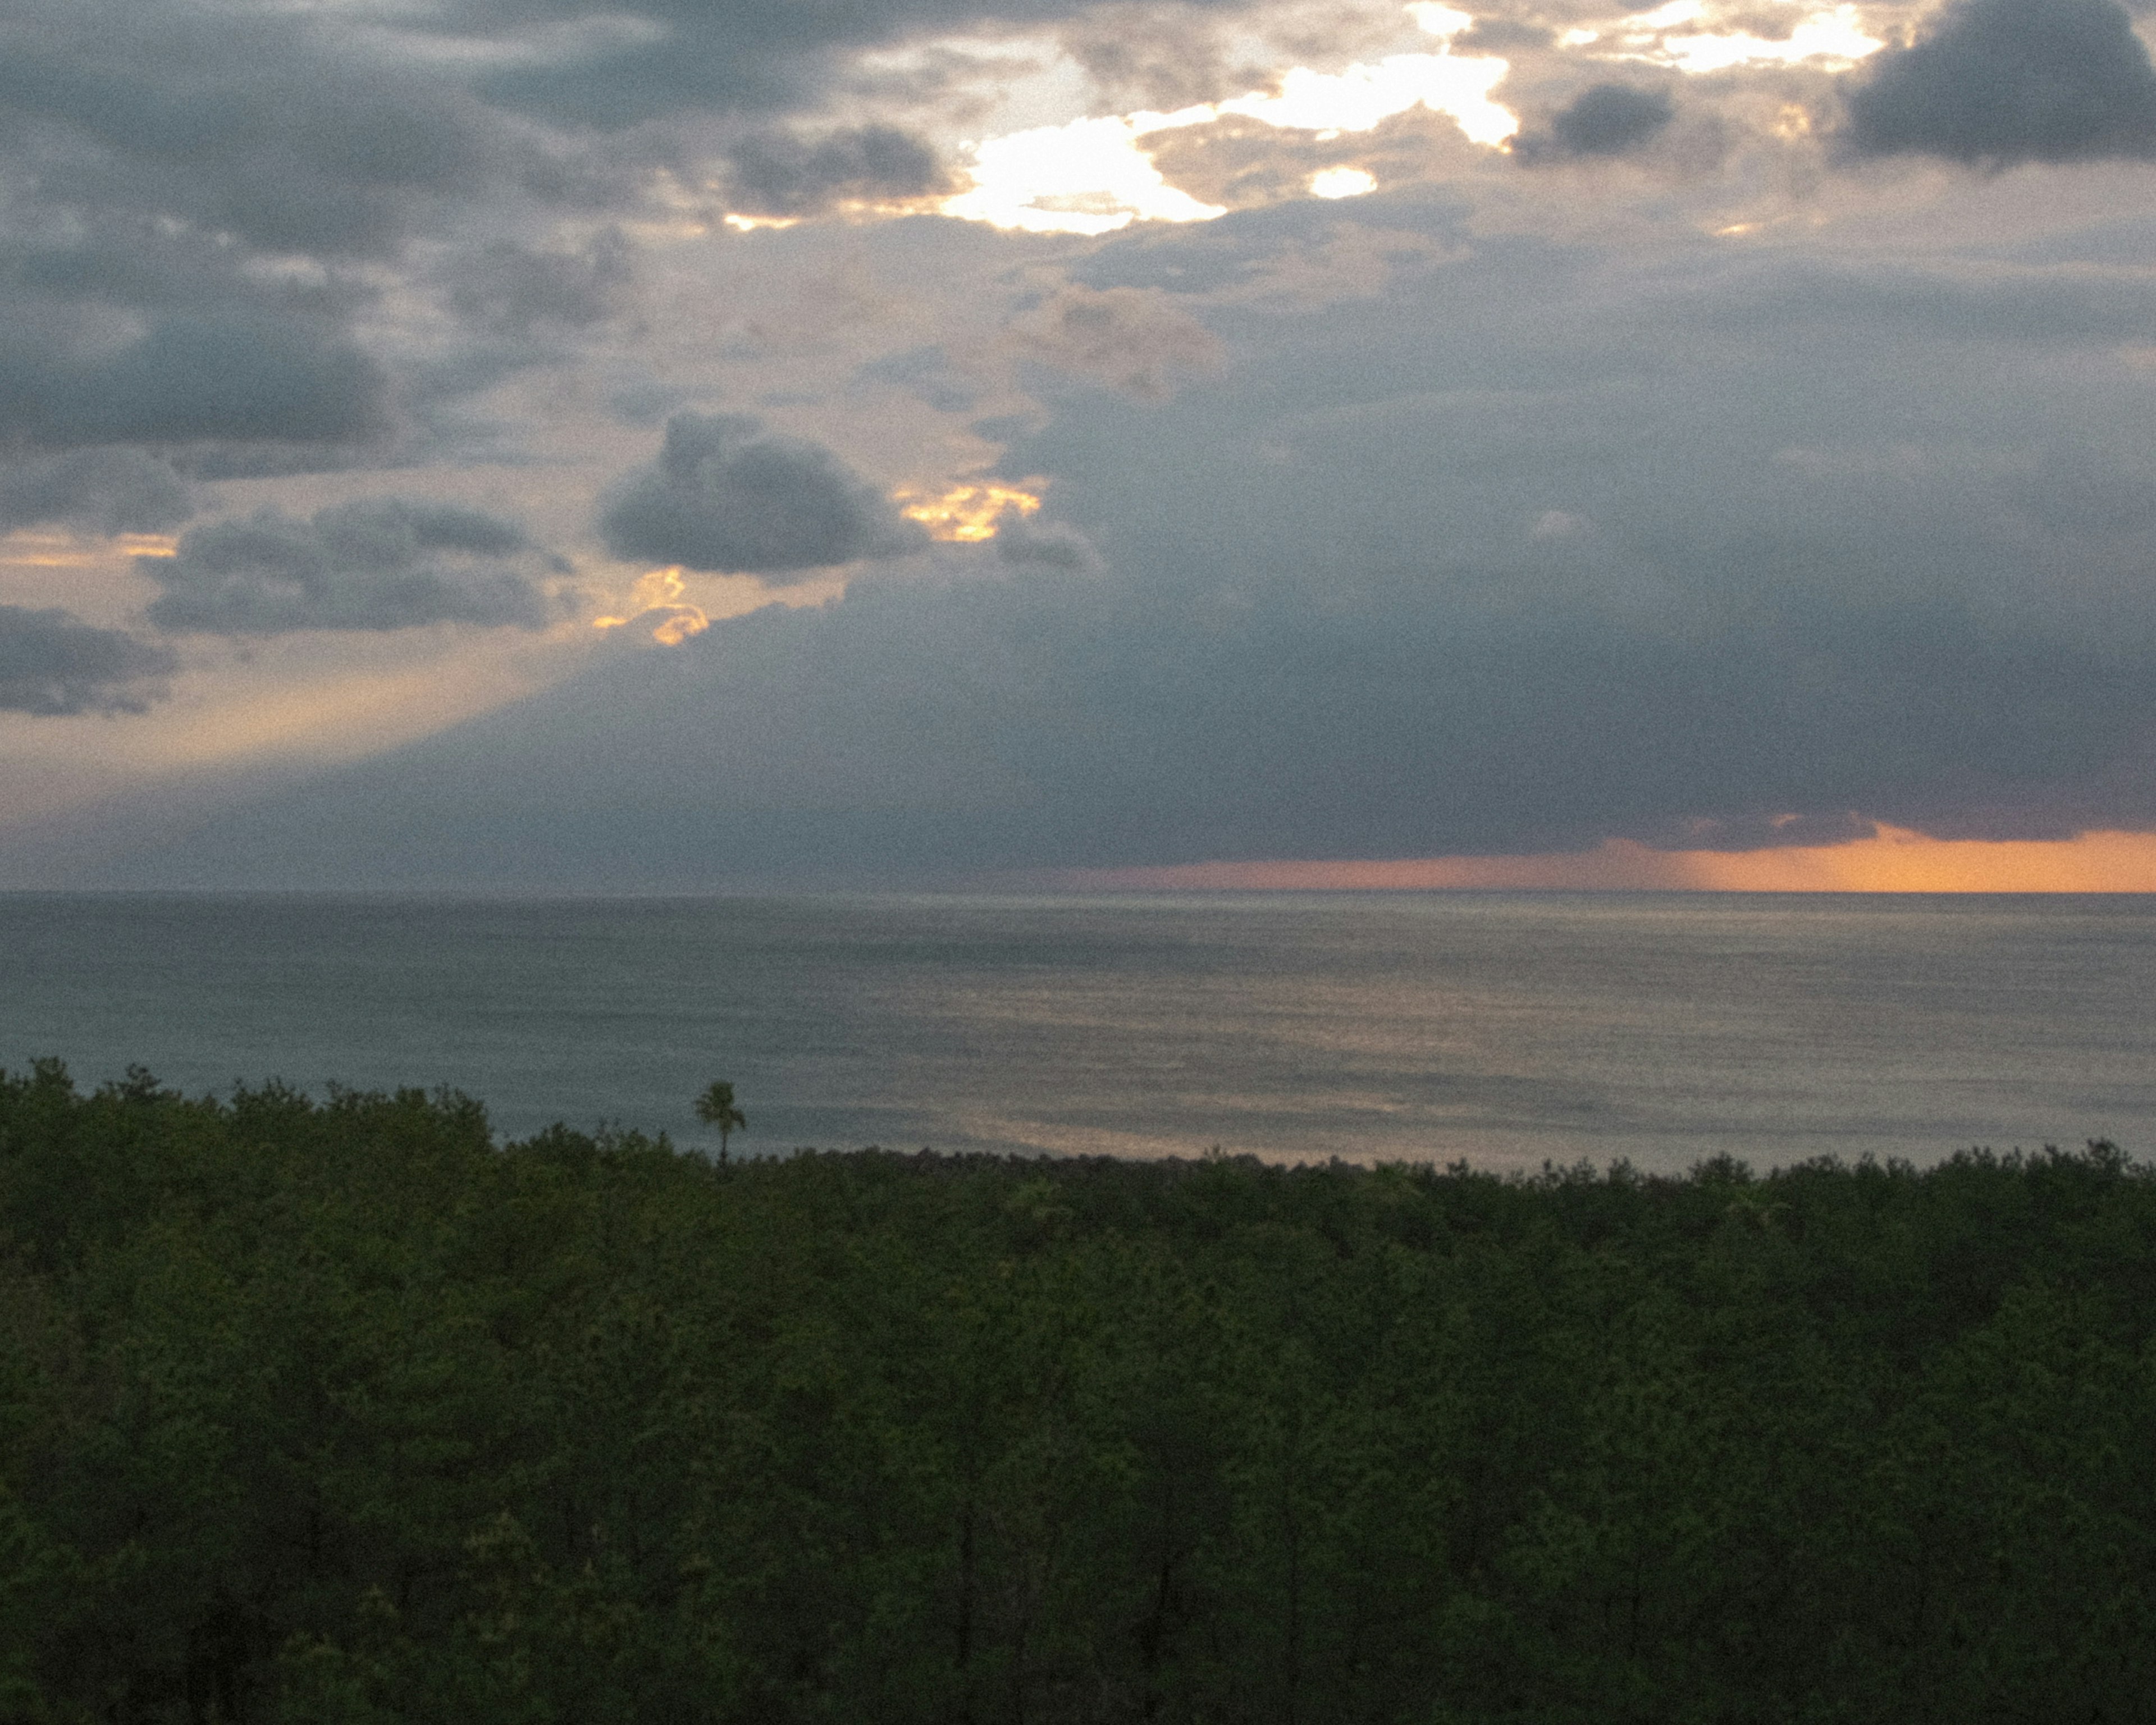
[(338, 1413), (716, 1108)]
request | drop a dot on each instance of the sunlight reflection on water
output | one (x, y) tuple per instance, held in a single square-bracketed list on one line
[(1503, 1028)]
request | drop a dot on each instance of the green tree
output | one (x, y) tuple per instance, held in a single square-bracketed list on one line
[(716, 1108)]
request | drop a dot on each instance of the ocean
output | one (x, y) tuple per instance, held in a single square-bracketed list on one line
[(1505, 1029)]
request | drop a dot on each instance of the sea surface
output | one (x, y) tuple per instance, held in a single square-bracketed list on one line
[(1507, 1029)]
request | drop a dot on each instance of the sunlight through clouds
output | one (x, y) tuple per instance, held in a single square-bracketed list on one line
[(1089, 177), (1343, 182), (1679, 35), (658, 594), (968, 515), (1093, 176)]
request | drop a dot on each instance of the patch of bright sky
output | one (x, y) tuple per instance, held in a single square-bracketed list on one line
[(1681, 35), (1092, 176), (1343, 182)]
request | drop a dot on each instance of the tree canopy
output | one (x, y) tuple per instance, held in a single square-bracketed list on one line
[(338, 1411)]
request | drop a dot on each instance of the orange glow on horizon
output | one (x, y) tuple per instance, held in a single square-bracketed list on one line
[(1891, 859), (969, 514)]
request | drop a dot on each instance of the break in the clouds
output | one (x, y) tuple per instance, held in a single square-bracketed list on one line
[(54, 665), (1998, 82), (727, 496), (379, 565)]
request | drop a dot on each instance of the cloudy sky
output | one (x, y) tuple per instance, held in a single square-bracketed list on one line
[(690, 442)]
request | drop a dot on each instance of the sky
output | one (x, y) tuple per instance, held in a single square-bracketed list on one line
[(687, 444)]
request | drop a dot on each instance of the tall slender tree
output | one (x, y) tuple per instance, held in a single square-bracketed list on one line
[(716, 1108)]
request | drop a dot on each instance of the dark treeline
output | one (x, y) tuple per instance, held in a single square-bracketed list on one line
[(338, 1412)]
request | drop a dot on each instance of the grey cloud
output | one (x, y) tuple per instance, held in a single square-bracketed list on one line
[(248, 122), (112, 490), (510, 289), (128, 259), (2091, 491), (199, 202), (928, 374), (53, 664), (781, 173), (377, 565), (1148, 55), (1603, 120), (726, 496), (1056, 544), (1998, 82), (240, 377)]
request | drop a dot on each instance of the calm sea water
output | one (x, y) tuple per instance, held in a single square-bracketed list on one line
[(1504, 1028)]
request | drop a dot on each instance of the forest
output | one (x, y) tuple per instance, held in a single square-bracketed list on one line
[(340, 1410)]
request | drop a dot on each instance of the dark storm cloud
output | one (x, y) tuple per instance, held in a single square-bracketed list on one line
[(726, 496), (780, 174), (99, 491), (1997, 82), (1604, 120), (378, 565), (53, 664)]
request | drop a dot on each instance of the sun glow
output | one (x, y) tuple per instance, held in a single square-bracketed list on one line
[(659, 594), (1343, 182), (969, 514), (1891, 860)]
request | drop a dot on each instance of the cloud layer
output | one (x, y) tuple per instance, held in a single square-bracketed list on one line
[(1531, 545)]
